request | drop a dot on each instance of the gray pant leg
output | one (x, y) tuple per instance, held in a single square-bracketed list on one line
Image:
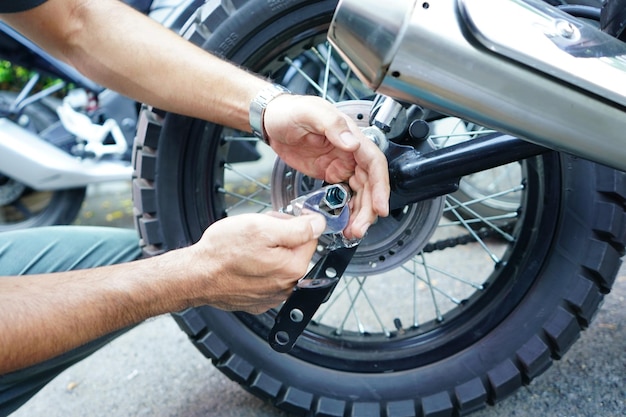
[(54, 249)]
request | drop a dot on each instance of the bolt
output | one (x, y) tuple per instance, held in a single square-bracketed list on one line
[(23, 120), (336, 196), (565, 29)]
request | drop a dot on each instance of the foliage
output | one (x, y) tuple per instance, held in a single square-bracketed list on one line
[(14, 77)]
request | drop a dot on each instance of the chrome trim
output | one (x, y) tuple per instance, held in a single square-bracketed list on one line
[(552, 41), (437, 62), (369, 34)]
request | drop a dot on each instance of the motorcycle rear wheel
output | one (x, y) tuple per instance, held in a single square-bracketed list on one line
[(495, 335), (22, 207)]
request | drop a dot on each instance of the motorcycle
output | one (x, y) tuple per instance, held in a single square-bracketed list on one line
[(444, 308), (52, 148)]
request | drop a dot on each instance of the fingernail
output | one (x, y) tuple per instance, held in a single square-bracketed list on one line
[(348, 139), (318, 224)]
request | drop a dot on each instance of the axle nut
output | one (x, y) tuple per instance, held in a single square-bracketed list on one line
[(336, 197)]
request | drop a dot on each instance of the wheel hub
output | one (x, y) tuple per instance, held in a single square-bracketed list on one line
[(392, 240)]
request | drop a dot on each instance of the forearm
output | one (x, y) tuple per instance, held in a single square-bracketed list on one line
[(140, 59), (44, 316)]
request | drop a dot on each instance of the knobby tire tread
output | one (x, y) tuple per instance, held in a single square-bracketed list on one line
[(557, 334)]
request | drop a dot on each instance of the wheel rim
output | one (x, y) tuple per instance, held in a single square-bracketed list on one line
[(20, 205), (433, 308)]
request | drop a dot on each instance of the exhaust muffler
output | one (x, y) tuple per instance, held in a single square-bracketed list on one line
[(519, 66)]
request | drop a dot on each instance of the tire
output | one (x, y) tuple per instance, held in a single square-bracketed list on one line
[(22, 207), (523, 303)]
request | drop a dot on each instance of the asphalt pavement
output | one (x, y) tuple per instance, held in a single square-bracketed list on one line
[(153, 370)]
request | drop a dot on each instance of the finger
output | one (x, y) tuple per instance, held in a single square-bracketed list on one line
[(363, 215), (296, 231), (371, 160), (338, 128)]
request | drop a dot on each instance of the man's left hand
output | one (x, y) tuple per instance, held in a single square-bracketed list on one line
[(314, 137)]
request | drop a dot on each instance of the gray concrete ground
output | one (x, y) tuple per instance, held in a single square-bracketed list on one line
[(154, 371)]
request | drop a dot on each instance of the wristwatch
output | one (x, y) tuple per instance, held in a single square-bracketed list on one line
[(258, 106)]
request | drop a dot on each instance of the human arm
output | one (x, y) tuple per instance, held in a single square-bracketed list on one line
[(120, 48), (134, 56), (245, 263)]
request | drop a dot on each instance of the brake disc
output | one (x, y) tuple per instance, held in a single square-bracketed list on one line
[(392, 240)]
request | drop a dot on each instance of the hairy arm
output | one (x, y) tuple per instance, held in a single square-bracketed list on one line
[(42, 316), (125, 51), (118, 47)]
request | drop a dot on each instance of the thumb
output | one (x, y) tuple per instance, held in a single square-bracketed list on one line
[(341, 133), (338, 127), (299, 230)]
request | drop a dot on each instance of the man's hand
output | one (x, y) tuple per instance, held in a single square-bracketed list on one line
[(314, 137), (251, 262)]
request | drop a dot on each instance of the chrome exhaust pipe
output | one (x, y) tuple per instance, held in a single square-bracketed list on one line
[(26, 158), (519, 66)]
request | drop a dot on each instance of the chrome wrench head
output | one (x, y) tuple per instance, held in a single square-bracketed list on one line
[(331, 201)]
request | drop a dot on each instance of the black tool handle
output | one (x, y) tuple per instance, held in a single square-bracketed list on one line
[(311, 291)]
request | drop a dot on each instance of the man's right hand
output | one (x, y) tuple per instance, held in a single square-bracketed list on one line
[(251, 262)]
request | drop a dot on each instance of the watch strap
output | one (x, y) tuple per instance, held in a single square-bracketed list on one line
[(258, 106)]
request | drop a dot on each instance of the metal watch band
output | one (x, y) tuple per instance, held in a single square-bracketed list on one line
[(258, 106)]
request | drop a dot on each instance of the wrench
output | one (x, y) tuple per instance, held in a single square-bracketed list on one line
[(317, 285), (331, 201)]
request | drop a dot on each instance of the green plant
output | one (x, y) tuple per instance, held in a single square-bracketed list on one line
[(14, 77)]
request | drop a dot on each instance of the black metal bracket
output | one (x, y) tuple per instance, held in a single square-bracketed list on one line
[(310, 292)]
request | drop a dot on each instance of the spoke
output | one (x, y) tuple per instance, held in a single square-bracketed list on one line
[(435, 287), (352, 307), (415, 281), (326, 73), (508, 216), (369, 302), (345, 87), (245, 198), (501, 232), (473, 233), (448, 296), (23, 209), (313, 83), (247, 177), (336, 297), (352, 310), (473, 135), (503, 177), (449, 275), (431, 288), (511, 190), (343, 78)]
